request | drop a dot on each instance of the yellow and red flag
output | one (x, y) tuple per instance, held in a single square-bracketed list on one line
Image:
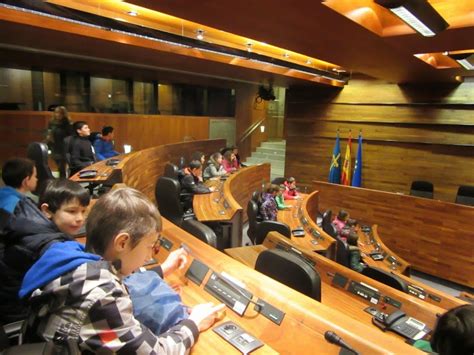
[(346, 167)]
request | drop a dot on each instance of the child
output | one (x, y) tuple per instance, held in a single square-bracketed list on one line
[(59, 128), (191, 183), (280, 201), (82, 153), (19, 176), (340, 220), (214, 167), (229, 162), (355, 261), (290, 189), (104, 144), (269, 209), (79, 296), (30, 233)]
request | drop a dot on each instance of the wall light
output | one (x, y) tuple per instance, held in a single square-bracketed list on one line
[(200, 35), (418, 14), (262, 128)]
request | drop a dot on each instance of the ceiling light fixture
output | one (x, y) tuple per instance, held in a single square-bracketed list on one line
[(133, 13), (286, 55), (466, 59), (418, 14), (249, 47), (200, 35)]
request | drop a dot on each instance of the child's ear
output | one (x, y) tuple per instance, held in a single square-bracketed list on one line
[(121, 241), (45, 209)]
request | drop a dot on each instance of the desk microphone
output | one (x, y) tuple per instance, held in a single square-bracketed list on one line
[(333, 338)]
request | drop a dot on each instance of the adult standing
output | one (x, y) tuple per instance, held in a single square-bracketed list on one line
[(59, 127)]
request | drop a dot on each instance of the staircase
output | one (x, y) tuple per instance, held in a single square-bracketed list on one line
[(272, 152)]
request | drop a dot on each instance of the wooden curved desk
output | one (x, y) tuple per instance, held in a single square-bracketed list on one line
[(339, 296), (298, 216), (229, 204), (305, 321), (106, 174), (435, 237)]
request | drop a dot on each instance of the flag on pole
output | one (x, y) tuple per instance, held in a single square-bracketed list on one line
[(357, 178), (335, 169), (346, 167)]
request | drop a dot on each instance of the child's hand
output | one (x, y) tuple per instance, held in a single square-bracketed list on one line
[(204, 315), (176, 259)]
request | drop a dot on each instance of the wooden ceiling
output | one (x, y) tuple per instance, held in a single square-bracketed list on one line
[(310, 31)]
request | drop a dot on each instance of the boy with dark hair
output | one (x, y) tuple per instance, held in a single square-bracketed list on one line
[(30, 232), (104, 145), (19, 176), (80, 296), (191, 182), (82, 153)]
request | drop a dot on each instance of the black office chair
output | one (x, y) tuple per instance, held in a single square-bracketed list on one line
[(386, 278), (465, 195), (422, 189), (290, 270), (258, 230), (327, 225), (38, 152), (342, 252), (202, 232), (67, 152), (171, 171), (167, 194), (279, 180)]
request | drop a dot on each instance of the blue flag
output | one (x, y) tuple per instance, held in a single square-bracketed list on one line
[(335, 169), (357, 177)]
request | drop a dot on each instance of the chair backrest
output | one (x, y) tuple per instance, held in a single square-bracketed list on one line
[(252, 214), (386, 278), (171, 171), (422, 189), (67, 149), (327, 225), (38, 152), (290, 270), (279, 180), (167, 194), (200, 231), (465, 195), (342, 252)]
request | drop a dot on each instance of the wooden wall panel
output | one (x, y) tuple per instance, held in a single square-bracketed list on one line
[(436, 237), (410, 133), (18, 128)]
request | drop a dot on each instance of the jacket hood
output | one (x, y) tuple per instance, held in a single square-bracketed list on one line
[(9, 198), (59, 259)]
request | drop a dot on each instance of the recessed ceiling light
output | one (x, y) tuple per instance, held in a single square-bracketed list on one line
[(286, 55), (132, 13), (309, 62), (249, 47)]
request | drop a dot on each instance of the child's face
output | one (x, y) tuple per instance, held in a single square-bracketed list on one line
[(135, 257), (69, 218), (31, 181), (219, 159), (293, 185)]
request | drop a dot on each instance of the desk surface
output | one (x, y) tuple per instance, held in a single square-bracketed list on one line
[(104, 172), (305, 319), (341, 298), (214, 206)]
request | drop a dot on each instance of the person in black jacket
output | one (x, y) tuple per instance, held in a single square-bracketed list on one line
[(82, 153), (59, 128), (30, 232), (192, 184)]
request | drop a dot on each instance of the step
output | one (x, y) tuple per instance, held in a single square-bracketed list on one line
[(264, 156), (273, 145), (271, 151), (274, 163)]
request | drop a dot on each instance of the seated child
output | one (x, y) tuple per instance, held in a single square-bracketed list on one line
[(80, 296), (452, 334), (19, 176), (339, 221), (191, 183), (229, 162), (290, 192), (214, 167), (280, 201), (268, 209), (31, 232), (355, 259)]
